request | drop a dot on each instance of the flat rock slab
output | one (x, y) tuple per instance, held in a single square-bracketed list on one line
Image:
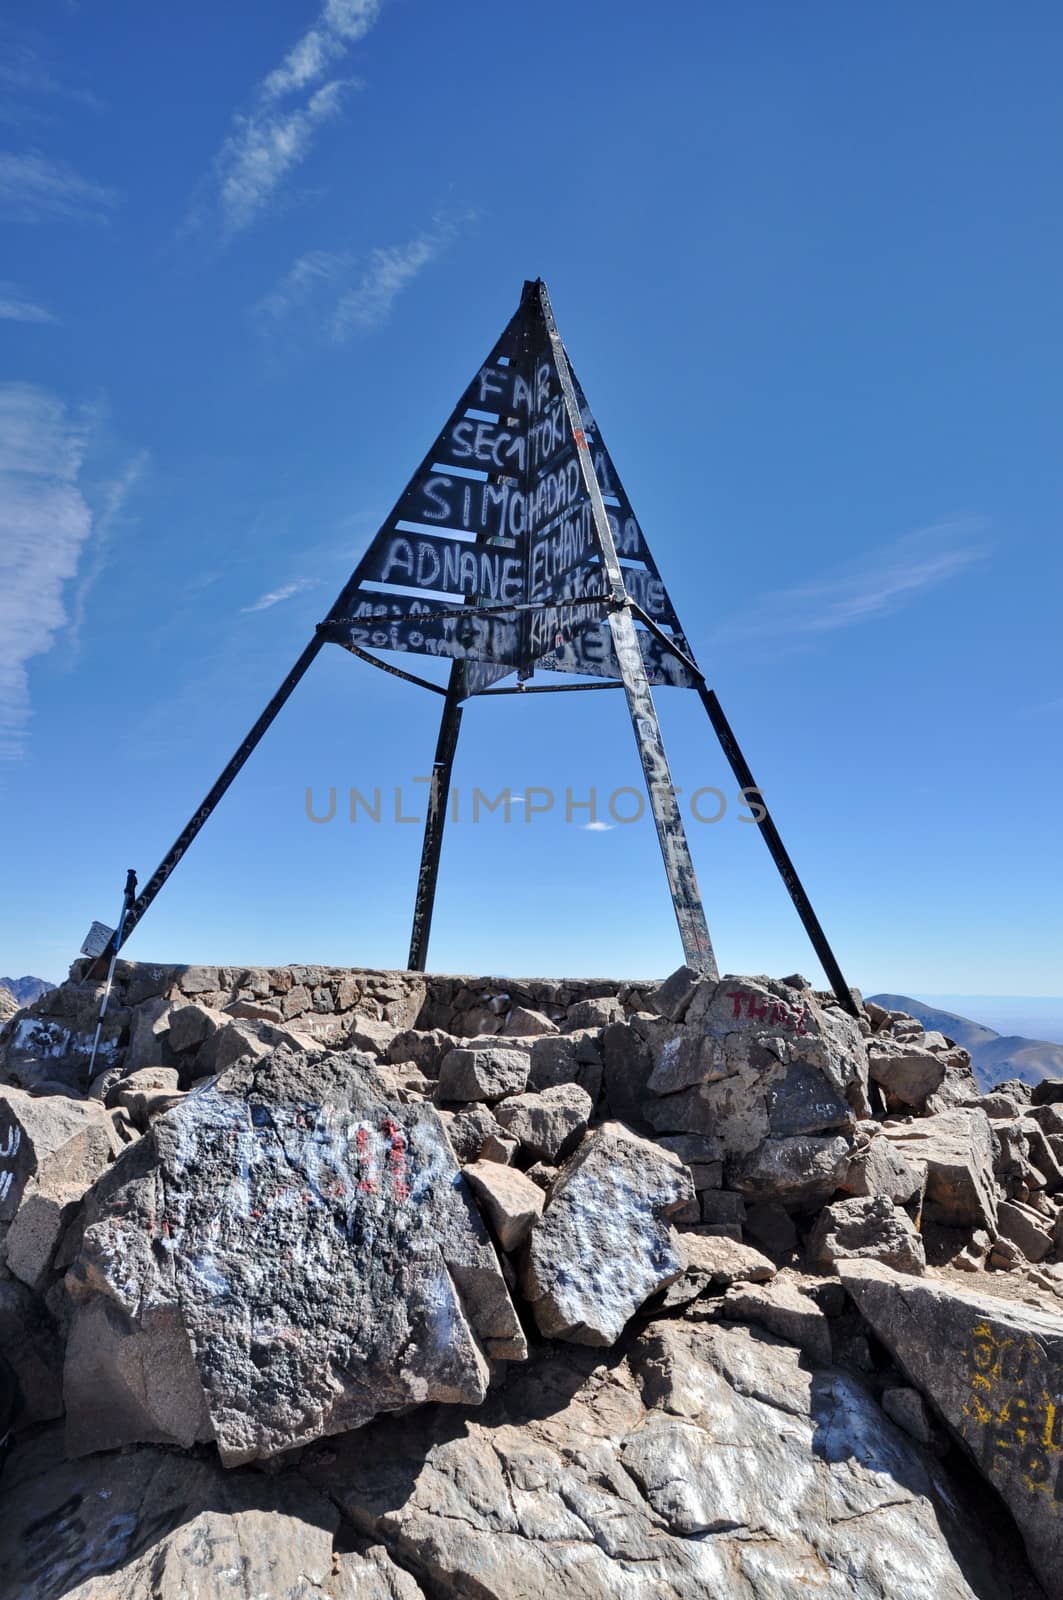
[(294, 1252), (155, 1526), (711, 1464), (1000, 1389), (956, 1147), (604, 1244)]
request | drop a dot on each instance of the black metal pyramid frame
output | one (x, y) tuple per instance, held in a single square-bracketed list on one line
[(514, 549)]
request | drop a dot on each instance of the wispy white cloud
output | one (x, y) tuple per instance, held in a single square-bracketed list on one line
[(23, 73), (876, 586), (45, 521), (274, 136), (346, 294), (597, 827), (35, 189), (285, 592), (306, 276), (368, 304), (15, 307), (110, 503)]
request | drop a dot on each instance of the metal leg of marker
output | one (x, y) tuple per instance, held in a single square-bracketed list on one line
[(128, 897), (435, 820)]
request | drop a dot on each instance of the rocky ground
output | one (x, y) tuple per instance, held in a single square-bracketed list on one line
[(363, 1284)]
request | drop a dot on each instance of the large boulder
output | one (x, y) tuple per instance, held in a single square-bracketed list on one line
[(604, 1243), (956, 1147), (999, 1389), (870, 1228), (711, 1463), (755, 1061), (284, 1255)]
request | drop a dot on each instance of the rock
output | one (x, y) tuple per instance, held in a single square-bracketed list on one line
[(149, 1523), (782, 1309), (957, 1148), (1041, 1155), (50, 1144), (566, 1058), (594, 1013), (510, 1201), (33, 1236), (871, 1228), (698, 1153), (468, 1131), (998, 1390), (192, 1025), (672, 998), (426, 1047), (542, 1174), (905, 1407), (723, 1205), (499, 1147), (1049, 1092), (604, 1245), (295, 1245), (148, 1034), (626, 1067), (482, 1074), (524, 1023), (713, 1464), (722, 1261), (30, 1343), (797, 1174), (909, 1076), (198, 980), (548, 1123), (373, 1036), (772, 1229), (880, 1168), (1025, 1228)]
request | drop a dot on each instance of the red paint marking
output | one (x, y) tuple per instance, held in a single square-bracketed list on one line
[(580, 438), (777, 1014)]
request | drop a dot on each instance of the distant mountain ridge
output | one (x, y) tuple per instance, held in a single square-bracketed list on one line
[(994, 1057), (26, 990)]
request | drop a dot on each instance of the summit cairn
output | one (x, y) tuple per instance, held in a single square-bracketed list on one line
[(674, 1291)]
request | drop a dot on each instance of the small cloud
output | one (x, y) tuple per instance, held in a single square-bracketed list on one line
[(15, 307), (275, 596), (45, 522), (268, 141), (109, 501), (34, 189), (368, 305), (883, 582), (597, 827), (358, 292), (23, 73)]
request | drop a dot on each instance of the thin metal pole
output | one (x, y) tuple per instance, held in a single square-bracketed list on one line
[(435, 820), (769, 832), (777, 850), (208, 804), (127, 901)]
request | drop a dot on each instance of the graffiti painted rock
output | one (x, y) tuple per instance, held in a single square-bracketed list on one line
[(301, 1245), (956, 1147), (486, 1074), (149, 1523), (755, 1060), (604, 1244), (871, 1228), (48, 1143), (711, 1462), (549, 1122), (1000, 1390)]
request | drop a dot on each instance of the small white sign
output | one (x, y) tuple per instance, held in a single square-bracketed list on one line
[(97, 939)]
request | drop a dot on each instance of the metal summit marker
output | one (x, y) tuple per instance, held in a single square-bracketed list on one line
[(518, 517)]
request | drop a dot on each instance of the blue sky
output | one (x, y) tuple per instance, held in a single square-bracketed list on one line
[(806, 261)]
